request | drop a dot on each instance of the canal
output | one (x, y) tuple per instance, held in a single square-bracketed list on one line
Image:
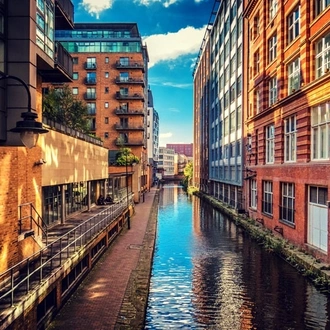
[(208, 274)]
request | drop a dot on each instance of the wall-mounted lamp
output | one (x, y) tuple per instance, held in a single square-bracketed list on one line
[(28, 128), (40, 162)]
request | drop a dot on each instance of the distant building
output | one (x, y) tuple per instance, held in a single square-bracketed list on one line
[(181, 148), (166, 162), (153, 137)]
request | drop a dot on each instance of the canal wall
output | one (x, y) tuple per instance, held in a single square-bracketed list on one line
[(317, 271)]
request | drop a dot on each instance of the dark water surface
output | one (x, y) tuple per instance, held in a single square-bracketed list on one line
[(208, 274)]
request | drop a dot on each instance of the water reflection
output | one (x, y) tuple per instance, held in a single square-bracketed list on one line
[(207, 274)]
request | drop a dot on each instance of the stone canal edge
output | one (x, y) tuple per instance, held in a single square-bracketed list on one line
[(133, 308)]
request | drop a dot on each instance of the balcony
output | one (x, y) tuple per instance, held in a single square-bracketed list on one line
[(90, 96), (90, 66), (130, 65), (63, 66), (123, 111), (64, 15), (129, 142), (135, 96), (90, 81), (128, 127), (134, 81)]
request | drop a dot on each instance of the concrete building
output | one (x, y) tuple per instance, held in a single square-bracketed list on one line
[(288, 121), (220, 94), (165, 165), (111, 74), (153, 138)]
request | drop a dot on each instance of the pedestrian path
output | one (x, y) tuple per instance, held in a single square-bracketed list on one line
[(98, 300)]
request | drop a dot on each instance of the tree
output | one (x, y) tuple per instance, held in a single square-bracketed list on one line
[(188, 175), (64, 108), (125, 155)]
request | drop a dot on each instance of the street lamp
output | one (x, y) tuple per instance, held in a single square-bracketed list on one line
[(28, 128)]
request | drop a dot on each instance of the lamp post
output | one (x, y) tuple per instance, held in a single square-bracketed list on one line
[(127, 190), (28, 128)]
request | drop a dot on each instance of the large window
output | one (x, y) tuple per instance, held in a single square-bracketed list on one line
[(272, 8), (294, 75), (321, 131), (320, 5), (290, 139), (287, 202), (253, 194), (294, 24), (272, 90), (270, 137), (272, 48), (267, 197), (322, 56)]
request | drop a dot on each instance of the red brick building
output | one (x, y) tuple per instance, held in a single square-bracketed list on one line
[(288, 120), (110, 74), (181, 148)]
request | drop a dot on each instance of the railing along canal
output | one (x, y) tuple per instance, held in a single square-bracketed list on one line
[(27, 274)]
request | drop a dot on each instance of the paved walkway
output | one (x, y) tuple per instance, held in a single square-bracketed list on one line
[(114, 293)]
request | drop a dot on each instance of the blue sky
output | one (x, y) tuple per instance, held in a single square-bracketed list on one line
[(173, 31)]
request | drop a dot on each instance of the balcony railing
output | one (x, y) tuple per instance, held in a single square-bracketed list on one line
[(90, 96), (63, 60), (64, 14), (90, 66), (90, 81), (135, 81), (130, 65), (135, 96), (119, 127), (129, 142), (122, 111)]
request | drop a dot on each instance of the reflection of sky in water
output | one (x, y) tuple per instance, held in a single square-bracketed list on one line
[(208, 275)]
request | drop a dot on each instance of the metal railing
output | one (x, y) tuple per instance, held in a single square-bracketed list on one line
[(26, 275)]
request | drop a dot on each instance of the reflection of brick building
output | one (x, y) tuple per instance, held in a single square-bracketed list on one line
[(181, 148), (110, 74), (288, 119)]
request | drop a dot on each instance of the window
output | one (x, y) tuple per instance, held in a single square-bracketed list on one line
[(239, 85), (106, 74), (294, 76), (91, 78), (91, 108), (321, 131), (107, 60), (123, 91), (322, 56), (256, 23), (287, 202), (75, 75), (272, 90), (106, 90), (75, 60), (290, 139), (91, 93), (294, 24), (106, 105), (123, 76), (106, 120), (258, 100), (106, 135), (272, 48), (267, 197), (270, 137), (256, 62), (318, 195), (272, 8), (75, 91), (124, 61), (91, 63), (232, 92), (253, 194), (320, 5)]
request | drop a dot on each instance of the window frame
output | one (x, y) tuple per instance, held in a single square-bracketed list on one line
[(293, 22), (272, 85), (290, 139), (270, 143), (272, 48), (267, 197)]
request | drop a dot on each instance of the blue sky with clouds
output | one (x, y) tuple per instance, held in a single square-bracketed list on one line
[(173, 31)]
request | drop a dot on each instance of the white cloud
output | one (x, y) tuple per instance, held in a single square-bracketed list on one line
[(166, 135), (95, 7), (165, 47), (166, 3)]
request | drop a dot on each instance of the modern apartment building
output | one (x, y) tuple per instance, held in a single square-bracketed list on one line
[(153, 137), (166, 162), (111, 74), (288, 119), (218, 96)]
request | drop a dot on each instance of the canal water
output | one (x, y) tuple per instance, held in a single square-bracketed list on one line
[(208, 274)]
